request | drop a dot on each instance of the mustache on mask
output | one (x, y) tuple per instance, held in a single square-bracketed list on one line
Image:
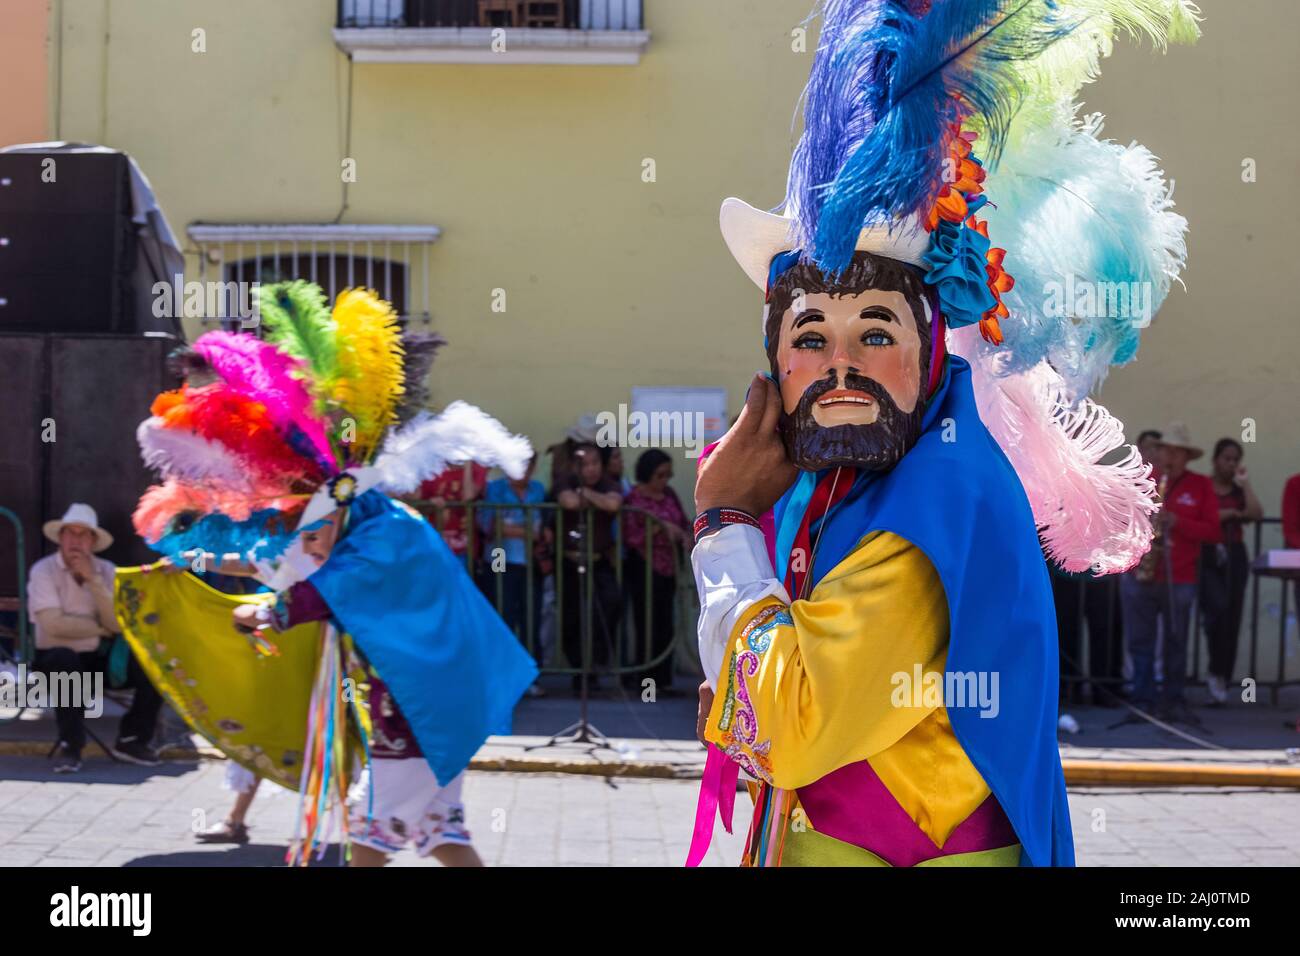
[(876, 446), (852, 381)]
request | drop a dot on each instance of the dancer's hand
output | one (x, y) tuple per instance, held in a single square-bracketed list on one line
[(706, 705), (749, 469), (245, 618)]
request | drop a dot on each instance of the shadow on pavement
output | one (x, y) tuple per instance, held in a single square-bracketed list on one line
[(250, 854), (94, 770)]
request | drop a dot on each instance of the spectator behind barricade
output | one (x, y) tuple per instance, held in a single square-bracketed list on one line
[(70, 602), (1225, 566), (1163, 587), (589, 501), (585, 431), (1091, 601), (1148, 446), (1291, 512), (653, 494), (614, 468), (512, 571), (1291, 523), (459, 483)]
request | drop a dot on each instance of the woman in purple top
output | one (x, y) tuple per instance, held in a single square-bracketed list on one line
[(654, 469)]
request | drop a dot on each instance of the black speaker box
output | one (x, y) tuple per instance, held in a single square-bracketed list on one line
[(73, 403), (67, 243)]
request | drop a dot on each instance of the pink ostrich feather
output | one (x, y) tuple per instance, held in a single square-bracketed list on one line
[(161, 503), (158, 505), (1092, 514), (261, 371)]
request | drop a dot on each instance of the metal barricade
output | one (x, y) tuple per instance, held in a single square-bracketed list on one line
[(16, 643), (1266, 595), (531, 594)]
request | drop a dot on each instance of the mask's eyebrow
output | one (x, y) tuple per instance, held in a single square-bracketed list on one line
[(808, 315), (879, 312)]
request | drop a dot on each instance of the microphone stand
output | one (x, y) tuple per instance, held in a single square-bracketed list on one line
[(583, 731)]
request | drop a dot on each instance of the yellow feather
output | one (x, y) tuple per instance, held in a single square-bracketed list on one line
[(370, 367)]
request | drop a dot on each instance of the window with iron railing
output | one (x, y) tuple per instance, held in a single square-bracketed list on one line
[(528, 14), (391, 259)]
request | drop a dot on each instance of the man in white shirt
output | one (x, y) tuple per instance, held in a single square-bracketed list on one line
[(70, 602)]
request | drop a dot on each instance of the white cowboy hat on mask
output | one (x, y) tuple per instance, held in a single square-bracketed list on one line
[(756, 237), (79, 515)]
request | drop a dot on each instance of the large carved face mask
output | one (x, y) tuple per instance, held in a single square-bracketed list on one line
[(851, 362)]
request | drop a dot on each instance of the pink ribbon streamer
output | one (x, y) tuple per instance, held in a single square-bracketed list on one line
[(717, 796)]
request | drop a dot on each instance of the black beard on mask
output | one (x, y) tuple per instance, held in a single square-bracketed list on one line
[(876, 447)]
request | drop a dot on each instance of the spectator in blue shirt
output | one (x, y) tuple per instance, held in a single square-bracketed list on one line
[(513, 571)]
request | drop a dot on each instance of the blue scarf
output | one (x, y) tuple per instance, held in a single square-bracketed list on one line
[(957, 498), (453, 666)]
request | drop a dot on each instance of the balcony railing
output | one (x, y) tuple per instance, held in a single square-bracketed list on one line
[(602, 32), (532, 14)]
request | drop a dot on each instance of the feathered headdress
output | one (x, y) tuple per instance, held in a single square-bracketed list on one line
[(921, 114), (268, 435)]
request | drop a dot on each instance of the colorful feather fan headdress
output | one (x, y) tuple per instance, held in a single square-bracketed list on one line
[(900, 94), (270, 434)]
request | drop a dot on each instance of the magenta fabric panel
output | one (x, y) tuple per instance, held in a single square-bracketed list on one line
[(853, 804)]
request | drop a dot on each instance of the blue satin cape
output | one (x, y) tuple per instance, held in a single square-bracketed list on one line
[(957, 498), (454, 667)]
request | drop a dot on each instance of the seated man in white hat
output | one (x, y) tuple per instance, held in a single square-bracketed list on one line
[(70, 601)]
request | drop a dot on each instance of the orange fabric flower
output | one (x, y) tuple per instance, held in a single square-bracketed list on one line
[(952, 204)]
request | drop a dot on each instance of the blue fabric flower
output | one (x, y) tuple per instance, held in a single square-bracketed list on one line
[(957, 258)]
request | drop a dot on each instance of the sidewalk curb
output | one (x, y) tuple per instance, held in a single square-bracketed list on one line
[(1078, 772), (1176, 774)]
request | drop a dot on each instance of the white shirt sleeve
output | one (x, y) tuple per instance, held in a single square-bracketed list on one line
[(42, 588), (107, 572), (732, 574)]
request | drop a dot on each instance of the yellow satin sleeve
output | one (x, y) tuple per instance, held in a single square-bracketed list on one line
[(811, 687), (808, 688)]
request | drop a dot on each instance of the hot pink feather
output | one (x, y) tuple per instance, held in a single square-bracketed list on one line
[(260, 370)]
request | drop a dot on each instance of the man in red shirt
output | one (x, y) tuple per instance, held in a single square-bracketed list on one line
[(1291, 512), (1291, 522), (458, 483), (1188, 518)]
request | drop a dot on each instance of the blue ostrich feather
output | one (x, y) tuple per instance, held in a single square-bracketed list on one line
[(885, 89), (263, 536)]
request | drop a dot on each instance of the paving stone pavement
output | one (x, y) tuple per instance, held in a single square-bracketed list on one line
[(112, 815)]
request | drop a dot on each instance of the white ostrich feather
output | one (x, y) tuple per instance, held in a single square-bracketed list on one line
[(429, 443)]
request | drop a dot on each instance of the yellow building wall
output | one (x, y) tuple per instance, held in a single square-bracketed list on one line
[(1223, 352), (535, 175)]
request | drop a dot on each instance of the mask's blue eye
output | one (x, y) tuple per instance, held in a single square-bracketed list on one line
[(877, 337), (809, 340)]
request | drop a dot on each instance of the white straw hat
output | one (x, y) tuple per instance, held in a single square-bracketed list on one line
[(84, 516)]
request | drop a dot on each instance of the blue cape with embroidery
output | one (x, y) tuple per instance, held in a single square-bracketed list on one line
[(453, 666), (957, 498)]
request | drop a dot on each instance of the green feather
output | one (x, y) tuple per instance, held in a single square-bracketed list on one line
[(296, 318), (1055, 78)]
